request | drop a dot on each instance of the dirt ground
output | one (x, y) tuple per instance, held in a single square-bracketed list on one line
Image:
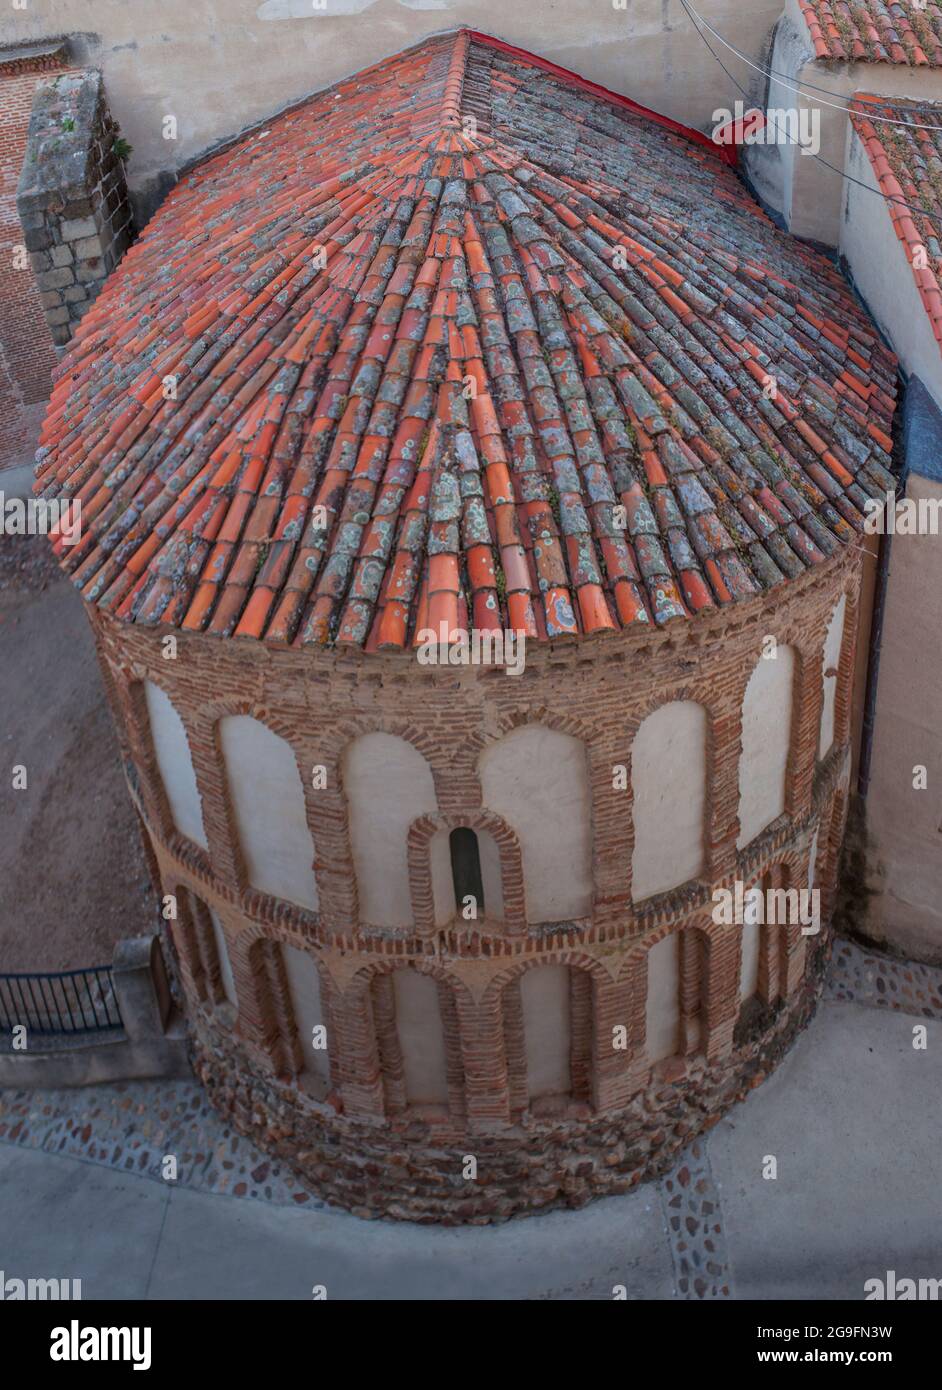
[(73, 879)]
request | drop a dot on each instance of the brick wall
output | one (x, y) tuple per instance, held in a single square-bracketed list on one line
[(357, 1141), (27, 356)]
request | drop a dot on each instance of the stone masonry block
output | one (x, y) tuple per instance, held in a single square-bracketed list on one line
[(87, 247), (61, 255), (55, 279), (73, 229)]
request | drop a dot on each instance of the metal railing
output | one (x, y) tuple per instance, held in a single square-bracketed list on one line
[(62, 1001)]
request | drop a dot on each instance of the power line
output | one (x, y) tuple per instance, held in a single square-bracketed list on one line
[(796, 85), (841, 173)]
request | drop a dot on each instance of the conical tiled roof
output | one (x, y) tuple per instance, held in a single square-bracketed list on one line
[(437, 334)]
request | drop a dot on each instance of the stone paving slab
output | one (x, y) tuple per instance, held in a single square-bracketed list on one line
[(851, 1117)]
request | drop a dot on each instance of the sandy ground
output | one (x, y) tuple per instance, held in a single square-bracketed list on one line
[(73, 880)]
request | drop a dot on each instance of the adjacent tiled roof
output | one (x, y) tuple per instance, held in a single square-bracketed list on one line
[(907, 161), (538, 306), (876, 31)]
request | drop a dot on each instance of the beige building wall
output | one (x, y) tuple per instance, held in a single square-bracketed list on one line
[(219, 68), (904, 824), (809, 195), (662, 1008), (829, 671), (268, 804), (884, 276)]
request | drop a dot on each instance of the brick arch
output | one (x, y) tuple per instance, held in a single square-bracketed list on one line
[(369, 996), (144, 755), (686, 694), (707, 985), (421, 833), (574, 959), (226, 844), (588, 981), (516, 720), (508, 720), (347, 731)]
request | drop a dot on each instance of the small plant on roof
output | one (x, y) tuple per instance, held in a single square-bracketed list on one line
[(68, 123), (122, 149)]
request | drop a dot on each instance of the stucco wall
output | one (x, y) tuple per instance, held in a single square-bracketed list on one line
[(904, 823), (884, 275), (219, 68), (388, 784), (830, 662), (304, 984), (537, 779), (268, 805), (808, 194), (544, 996), (421, 1038), (662, 1024), (766, 735), (172, 751), (668, 781)]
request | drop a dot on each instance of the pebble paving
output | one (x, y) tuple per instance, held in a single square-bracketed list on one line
[(134, 1126)]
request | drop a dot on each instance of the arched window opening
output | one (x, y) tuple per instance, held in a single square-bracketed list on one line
[(269, 811), (202, 949), (663, 1004), (172, 752), (766, 741), (466, 873), (410, 1035), (388, 785), (668, 784), (310, 1020), (537, 779)]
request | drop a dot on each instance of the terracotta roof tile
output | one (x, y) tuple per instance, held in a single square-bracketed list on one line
[(462, 339), (876, 31)]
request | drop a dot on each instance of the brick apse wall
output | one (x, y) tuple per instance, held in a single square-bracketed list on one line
[(352, 1134)]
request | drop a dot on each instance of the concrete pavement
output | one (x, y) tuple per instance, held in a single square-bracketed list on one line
[(851, 1118)]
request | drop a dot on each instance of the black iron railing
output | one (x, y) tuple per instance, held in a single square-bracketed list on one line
[(64, 1001)]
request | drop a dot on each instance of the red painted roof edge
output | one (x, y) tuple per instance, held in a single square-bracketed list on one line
[(729, 154)]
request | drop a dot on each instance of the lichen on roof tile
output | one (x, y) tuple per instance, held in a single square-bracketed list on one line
[(462, 338)]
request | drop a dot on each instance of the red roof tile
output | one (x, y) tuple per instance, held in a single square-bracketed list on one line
[(876, 31), (431, 333), (907, 163)]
